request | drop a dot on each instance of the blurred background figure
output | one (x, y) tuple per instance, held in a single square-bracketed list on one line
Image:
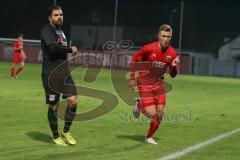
[(18, 56)]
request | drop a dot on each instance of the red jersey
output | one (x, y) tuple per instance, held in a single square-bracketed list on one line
[(18, 44), (152, 63)]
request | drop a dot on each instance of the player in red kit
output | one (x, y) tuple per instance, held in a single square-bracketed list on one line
[(18, 57), (148, 67)]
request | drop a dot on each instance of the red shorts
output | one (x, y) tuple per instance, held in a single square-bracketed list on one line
[(152, 95), (17, 58)]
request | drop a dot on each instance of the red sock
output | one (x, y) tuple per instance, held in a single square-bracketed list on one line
[(19, 70), (153, 127), (12, 72)]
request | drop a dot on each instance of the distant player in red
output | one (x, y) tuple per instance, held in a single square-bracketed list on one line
[(18, 57), (148, 67)]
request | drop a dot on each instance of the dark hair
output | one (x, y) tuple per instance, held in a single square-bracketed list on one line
[(165, 27), (51, 9)]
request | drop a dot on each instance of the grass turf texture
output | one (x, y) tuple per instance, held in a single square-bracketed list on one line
[(197, 109)]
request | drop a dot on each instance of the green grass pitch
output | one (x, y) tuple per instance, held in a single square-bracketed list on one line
[(198, 109)]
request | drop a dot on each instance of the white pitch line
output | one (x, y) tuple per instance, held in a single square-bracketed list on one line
[(199, 145)]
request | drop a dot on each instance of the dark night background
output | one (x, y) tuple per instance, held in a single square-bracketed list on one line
[(205, 24)]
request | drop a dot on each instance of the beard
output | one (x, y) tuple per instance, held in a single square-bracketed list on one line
[(58, 23)]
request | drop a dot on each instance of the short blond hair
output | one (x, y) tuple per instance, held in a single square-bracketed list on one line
[(166, 28)]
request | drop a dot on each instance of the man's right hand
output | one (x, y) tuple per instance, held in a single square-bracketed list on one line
[(74, 50)]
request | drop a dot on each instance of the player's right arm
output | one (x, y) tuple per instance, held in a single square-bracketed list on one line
[(135, 65)]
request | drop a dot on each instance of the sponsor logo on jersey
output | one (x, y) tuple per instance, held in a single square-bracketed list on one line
[(159, 64), (61, 38)]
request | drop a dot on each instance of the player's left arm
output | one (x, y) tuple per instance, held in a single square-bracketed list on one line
[(174, 66), (24, 55)]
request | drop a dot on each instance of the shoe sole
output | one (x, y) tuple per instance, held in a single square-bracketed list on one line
[(64, 145)]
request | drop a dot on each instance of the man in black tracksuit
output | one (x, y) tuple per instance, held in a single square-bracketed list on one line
[(56, 75)]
